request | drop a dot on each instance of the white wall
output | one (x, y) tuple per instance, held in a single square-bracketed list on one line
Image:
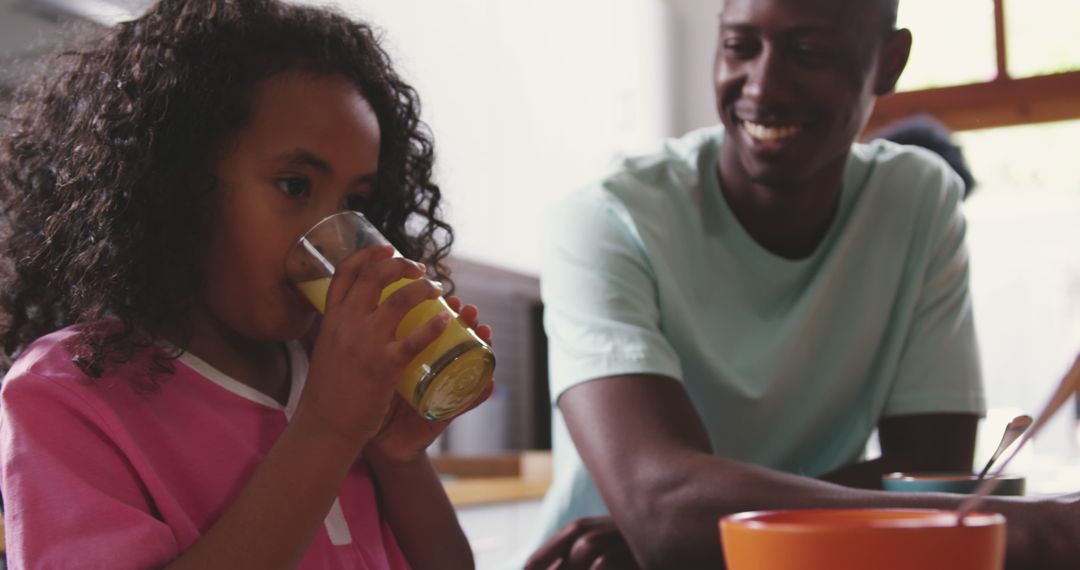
[(527, 101), (694, 44)]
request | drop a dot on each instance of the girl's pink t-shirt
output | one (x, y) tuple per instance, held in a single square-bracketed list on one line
[(103, 475)]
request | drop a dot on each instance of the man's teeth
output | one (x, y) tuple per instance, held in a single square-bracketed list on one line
[(763, 133)]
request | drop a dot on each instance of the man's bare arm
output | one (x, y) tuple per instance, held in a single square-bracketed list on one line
[(648, 452)]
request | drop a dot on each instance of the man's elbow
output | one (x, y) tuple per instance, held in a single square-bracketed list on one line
[(661, 522)]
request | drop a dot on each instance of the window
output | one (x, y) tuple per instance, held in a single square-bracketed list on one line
[(1023, 227), (1042, 36), (988, 63), (937, 58), (1025, 159)]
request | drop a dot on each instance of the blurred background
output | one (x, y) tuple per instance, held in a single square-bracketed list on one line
[(529, 100)]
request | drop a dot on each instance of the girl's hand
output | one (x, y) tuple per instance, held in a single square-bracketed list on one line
[(406, 435), (356, 358), (471, 315)]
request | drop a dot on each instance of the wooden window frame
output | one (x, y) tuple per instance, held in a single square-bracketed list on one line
[(1002, 102)]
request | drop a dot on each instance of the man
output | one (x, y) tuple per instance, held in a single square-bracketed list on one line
[(730, 318)]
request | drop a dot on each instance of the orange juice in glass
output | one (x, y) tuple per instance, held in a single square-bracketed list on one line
[(451, 372)]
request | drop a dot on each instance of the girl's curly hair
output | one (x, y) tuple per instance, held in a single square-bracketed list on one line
[(107, 168)]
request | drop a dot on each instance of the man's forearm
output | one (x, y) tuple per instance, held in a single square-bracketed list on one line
[(676, 522), (670, 516)]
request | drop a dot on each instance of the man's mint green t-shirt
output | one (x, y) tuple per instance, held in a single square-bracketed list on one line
[(790, 363)]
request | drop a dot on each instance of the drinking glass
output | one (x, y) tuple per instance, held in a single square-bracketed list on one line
[(451, 372)]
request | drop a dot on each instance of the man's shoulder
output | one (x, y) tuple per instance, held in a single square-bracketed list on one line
[(901, 165), (908, 174), (677, 162), (665, 175)]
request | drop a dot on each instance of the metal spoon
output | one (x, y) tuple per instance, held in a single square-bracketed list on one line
[(1012, 431), (1066, 390)]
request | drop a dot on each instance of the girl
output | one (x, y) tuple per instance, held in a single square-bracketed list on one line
[(152, 186)]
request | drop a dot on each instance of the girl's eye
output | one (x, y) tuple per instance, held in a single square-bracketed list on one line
[(294, 187)]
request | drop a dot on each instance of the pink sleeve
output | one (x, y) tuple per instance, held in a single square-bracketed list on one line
[(72, 499)]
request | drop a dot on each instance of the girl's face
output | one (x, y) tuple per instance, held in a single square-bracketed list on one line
[(310, 149)]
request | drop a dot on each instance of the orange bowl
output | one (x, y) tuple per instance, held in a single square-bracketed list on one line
[(862, 539)]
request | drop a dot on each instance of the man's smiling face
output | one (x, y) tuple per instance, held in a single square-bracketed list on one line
[(796, 81)]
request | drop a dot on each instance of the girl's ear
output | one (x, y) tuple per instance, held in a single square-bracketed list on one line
[(894, 58)]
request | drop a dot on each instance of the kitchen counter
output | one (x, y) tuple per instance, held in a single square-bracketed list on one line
[(487, 490), (471, 481)]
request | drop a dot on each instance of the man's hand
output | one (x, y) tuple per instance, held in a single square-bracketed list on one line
[(584, 544)]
